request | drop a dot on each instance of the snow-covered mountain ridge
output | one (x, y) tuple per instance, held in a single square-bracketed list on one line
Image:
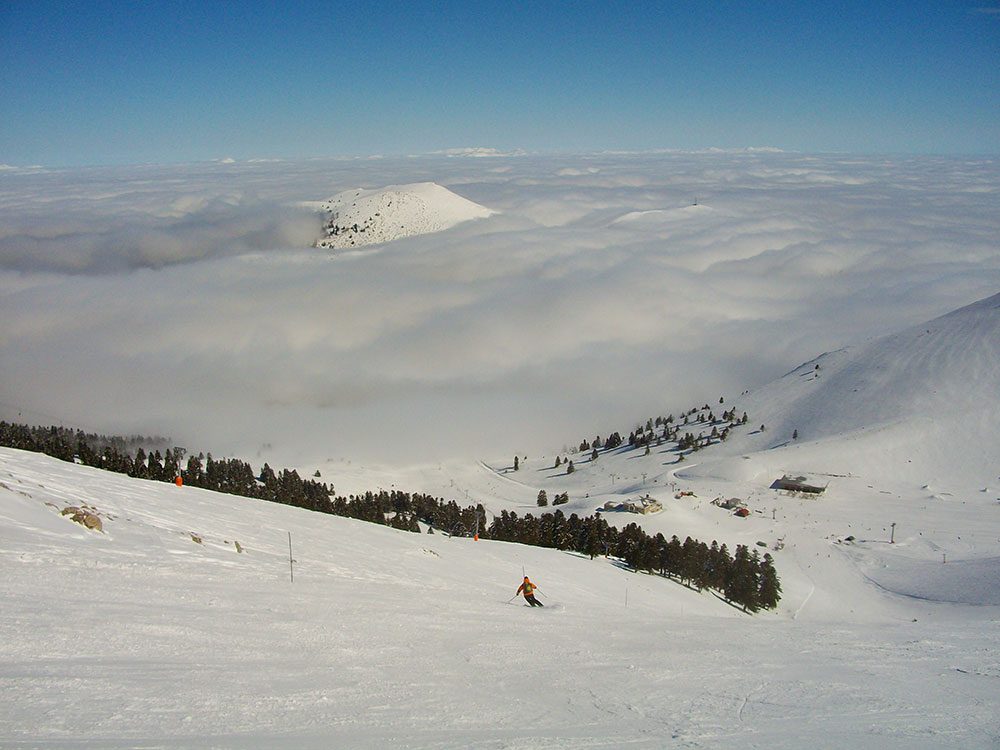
[(919, 405), (945, 367), (367, 217)]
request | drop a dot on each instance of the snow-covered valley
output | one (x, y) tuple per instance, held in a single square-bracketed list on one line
[(180, 624)]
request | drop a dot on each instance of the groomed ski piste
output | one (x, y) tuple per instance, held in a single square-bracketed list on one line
[(159, 632)]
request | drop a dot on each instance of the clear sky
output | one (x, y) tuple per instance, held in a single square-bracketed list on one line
[(121, 82)]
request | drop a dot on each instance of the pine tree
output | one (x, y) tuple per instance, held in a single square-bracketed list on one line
[(769, 593), (592, 538), (171, 464), (720, 567), (154, 467), (742, 584), (542, 498), (193, 475), (691, 562)]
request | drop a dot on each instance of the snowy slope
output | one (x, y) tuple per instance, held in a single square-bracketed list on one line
[(901, 430), (367, 217), (140, 636), (918, 406), (947, 367)]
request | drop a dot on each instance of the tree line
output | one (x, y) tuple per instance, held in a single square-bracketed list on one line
[(661, 430), (743, 579)]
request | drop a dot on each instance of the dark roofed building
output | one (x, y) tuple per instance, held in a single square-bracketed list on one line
[(797, 484)]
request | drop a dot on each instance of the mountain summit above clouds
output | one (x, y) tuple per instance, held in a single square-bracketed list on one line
[(367, 217)]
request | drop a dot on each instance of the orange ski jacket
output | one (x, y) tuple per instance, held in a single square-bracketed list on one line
[(527, 587)]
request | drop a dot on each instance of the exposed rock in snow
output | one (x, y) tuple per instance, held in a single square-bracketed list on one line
[(368, 217), (84, 517)]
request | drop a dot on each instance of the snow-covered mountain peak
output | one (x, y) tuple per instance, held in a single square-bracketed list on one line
[(359, 217)]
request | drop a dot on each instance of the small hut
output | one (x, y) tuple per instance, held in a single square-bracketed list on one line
[(643, 505)]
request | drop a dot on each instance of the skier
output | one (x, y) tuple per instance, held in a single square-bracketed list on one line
[(529, 592)]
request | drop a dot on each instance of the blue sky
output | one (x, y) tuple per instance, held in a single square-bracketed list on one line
[(127, 82)]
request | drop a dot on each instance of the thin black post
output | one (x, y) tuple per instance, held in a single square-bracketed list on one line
[(892, 533)]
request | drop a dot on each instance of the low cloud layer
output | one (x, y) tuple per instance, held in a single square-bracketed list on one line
[(187, 300), (118, 225)]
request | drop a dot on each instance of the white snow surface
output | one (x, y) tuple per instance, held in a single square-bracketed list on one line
[(140, 637), (374, 216), (918, 405), (886, 637)]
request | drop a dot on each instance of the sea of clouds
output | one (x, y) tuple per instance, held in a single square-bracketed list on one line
[(187, 300)]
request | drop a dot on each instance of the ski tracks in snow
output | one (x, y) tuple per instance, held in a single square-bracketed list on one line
[(746, 700), (805, 601)]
